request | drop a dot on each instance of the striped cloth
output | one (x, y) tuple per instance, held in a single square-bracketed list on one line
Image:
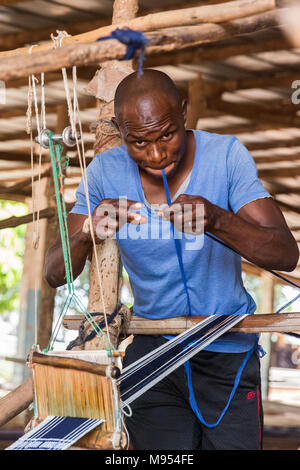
[(55, 433)]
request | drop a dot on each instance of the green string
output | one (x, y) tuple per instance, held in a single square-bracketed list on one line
[(59, 163)]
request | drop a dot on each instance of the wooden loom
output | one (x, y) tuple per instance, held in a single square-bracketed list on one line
[(69, 375), (82, 386)]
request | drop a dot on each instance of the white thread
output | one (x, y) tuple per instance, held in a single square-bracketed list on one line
[(74, 113)]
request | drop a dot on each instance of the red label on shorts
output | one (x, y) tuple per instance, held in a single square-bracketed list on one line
[(251, 395)]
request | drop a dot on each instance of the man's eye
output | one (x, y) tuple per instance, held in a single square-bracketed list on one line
[(140, 143), (167, 136)]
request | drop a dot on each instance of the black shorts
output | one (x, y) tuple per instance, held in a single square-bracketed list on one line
[(162, 418)]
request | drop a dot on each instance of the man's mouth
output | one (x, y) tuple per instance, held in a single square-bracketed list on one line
[(157, 171)]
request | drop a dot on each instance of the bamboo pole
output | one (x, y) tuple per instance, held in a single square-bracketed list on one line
[(16, 401), (165, 40), (169, 19)]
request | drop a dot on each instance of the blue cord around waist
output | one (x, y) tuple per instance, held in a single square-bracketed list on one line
[(192, 398)]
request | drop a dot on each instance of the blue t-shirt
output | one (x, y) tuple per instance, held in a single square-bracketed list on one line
[(224, 173)]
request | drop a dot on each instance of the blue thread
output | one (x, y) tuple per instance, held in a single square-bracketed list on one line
[(177, 246), (135, 40), (192, 398)]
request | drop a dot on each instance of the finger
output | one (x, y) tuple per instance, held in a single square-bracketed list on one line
[(136, 219), (128, 204), (167, 211), (103, 230)]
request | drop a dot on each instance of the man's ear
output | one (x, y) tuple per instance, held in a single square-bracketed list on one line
[(184, 109)]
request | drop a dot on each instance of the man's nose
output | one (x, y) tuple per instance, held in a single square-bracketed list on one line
[(156, 154)]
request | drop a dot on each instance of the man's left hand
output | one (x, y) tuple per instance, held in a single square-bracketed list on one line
[(191, 214)]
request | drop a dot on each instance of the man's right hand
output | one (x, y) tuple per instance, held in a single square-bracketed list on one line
[(111, 214)]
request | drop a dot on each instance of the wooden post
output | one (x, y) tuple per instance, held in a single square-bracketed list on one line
[(106, 81), (196, 102), (30, 290), (267, 303)]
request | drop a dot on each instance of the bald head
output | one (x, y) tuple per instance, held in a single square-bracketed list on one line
[(151, 83)]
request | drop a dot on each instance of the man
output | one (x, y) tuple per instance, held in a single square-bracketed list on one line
[(217, 174)]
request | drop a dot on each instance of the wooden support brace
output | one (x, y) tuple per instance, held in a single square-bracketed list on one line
[(262, 323)]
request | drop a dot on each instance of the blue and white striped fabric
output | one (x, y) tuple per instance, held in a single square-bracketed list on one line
[(55, 433)]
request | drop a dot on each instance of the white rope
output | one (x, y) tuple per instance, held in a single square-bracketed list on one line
[(74, 115), (32, 96)]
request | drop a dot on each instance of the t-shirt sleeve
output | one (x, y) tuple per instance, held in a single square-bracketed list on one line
[(95, 189), (243, 182)]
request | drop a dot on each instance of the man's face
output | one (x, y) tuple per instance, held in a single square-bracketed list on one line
[(153, 130)]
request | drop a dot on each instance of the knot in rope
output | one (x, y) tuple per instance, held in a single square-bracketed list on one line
[(135, 40), (58, 39)]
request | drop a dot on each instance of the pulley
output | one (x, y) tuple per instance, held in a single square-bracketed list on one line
[(67, 137)]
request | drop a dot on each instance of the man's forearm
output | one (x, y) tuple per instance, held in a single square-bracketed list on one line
[(54, 270), (267, 247)]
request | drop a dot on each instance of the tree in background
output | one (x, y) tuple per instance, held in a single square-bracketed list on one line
[(12, 245)]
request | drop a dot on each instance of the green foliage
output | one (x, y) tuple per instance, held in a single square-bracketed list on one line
[(12, 244), (282, 293), (253, 286)]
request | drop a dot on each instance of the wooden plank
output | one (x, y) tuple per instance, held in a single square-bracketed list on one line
[(283, 322), (160, 41)]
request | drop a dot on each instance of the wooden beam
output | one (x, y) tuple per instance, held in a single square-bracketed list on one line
[(276, 188), (276, 143), (271, 158), (187, 16), (6, 112), (262, 81), (160, 41), (218, 51), (10, 42), (255, 112), (280, 172), (83, 73), (16, 401), (288, 207), (26, 219), (18, 157), (10, 2), (284, 322), (24, 183)]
